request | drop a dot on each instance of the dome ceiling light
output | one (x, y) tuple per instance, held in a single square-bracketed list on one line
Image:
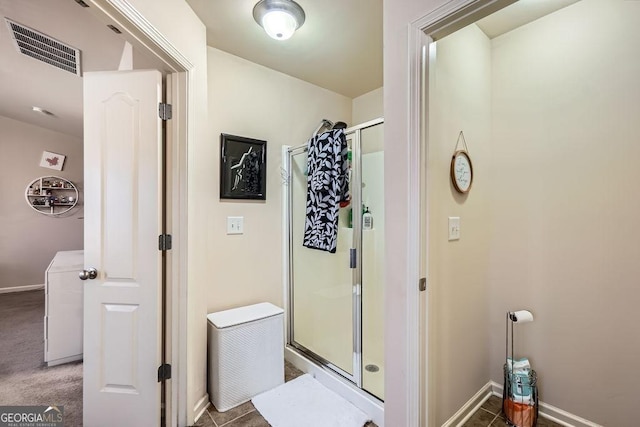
[(279, 18)]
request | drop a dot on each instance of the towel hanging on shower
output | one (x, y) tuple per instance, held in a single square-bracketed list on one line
[(327, 186)]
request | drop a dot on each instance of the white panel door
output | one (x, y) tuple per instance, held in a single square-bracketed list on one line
[(122, 196)]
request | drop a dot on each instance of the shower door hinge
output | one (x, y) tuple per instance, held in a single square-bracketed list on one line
[(422, 284), (164, 111), (164, 372), (352, 258), (164, 242)]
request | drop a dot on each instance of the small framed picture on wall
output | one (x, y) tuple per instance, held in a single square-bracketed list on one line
[(52, 160), (243, 168)]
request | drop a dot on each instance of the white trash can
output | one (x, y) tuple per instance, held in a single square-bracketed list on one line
[(246, 353)]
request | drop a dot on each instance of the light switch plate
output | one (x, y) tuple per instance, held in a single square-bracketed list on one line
[(454, 228), (235, 225)]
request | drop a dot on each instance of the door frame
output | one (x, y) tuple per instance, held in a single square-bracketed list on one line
[(444, 20), (143, 35)]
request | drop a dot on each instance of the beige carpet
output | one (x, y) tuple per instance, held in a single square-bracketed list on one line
[(24, 379)]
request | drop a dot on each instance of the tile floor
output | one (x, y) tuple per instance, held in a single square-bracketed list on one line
[(490, 414), (246, 414)]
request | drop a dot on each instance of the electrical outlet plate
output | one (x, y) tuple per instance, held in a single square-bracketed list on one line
[(454, 228), (235, 225)]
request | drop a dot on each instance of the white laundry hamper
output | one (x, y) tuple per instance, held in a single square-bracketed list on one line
[(246, 353)]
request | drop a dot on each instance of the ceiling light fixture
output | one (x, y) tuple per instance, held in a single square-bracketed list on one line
[(279, 18)]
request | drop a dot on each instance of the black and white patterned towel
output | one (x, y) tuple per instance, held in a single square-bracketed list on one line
[(327, 186)]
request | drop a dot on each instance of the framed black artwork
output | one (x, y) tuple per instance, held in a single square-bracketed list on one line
[(243, 168)]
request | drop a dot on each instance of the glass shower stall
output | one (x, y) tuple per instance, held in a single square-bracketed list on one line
[(335, 301)]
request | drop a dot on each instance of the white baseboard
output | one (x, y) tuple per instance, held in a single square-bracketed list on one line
[(552, 413), (470, 408), (201, 406), (63, 360), (21, 288)]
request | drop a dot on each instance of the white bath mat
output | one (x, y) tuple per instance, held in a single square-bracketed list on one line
[(305, 402)]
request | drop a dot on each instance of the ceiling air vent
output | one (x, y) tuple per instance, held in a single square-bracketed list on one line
[(44, 48)]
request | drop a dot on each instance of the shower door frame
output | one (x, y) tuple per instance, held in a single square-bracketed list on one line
[(353, 133)]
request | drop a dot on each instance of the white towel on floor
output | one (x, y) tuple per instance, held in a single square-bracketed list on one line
[(305, 402)]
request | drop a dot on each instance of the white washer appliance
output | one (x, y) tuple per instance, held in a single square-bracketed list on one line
[(63, 317)]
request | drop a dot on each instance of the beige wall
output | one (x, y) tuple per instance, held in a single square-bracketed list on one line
[(397, 14), (176, 21), (460, 100), (29, 240), (614, 290), (250, 100), (368, 106), (565, 206)]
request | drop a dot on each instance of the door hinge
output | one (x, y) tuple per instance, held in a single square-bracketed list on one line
[(164, 111), (164, 372), (164, 242), (352, 258), (422, 284)]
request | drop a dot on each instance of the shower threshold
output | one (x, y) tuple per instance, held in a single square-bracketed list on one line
[(336, 382)]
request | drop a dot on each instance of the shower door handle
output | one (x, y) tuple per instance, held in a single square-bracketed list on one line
[(352, 258)]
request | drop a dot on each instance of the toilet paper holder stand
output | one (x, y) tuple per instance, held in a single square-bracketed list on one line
[(522, 413)]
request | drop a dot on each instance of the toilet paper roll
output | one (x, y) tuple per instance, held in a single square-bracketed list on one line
[(521, 316)]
